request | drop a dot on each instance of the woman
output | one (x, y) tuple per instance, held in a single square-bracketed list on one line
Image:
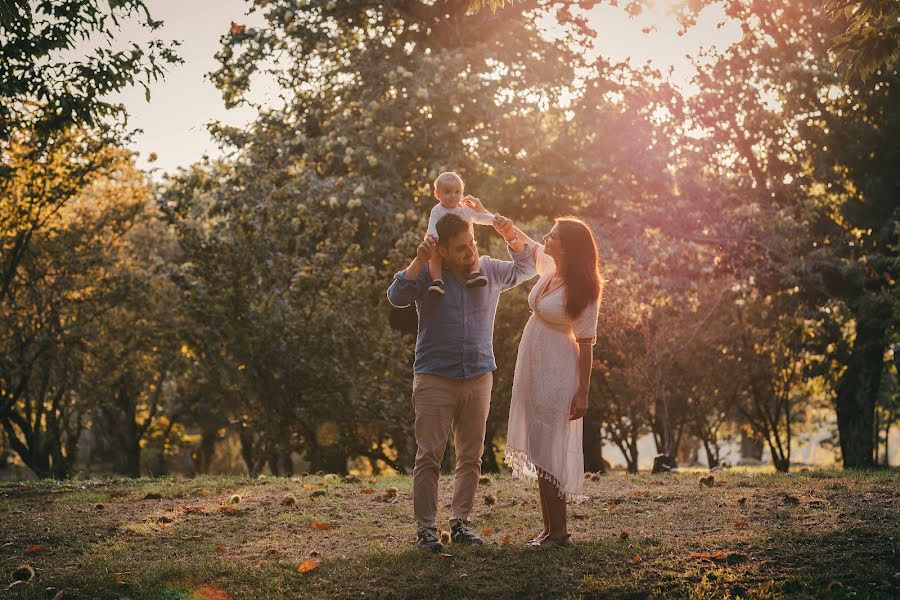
[(553, 372)]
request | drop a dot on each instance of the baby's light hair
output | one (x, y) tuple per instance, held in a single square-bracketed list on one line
[(445, 176)]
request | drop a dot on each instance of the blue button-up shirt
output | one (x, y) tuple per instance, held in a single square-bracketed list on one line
[(456, 330)]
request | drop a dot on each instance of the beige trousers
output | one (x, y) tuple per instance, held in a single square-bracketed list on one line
[(441, 403)]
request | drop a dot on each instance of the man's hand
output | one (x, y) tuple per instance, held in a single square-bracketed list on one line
[(426, 249), (504, 227), (474, 203)]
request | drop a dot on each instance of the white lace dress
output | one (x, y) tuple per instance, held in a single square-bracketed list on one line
[(541, 439)]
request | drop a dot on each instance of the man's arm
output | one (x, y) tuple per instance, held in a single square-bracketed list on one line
[(407, 284), (522, 268)]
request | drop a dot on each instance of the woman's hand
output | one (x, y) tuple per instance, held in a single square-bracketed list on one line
[(579, 405)]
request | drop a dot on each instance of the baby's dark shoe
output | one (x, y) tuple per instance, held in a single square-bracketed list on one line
[(436, 287), (476, 280)]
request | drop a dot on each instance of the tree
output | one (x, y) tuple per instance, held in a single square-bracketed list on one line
[(45, 90), (810, 203), (320, 192), (65, 283), (872, 38)]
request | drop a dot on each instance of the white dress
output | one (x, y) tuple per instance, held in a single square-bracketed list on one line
[(540, 438)]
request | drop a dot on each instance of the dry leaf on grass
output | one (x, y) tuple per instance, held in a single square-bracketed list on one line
[(637, 558), (207, 592), (367, 491), (308, 565), (505, 539), (220, 549), (708, 555), (227, 508), (320, 525), (35, 549), (487, 531), (742, 524)]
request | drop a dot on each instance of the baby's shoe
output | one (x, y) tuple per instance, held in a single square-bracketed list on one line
[(476, 280), (436, 288)]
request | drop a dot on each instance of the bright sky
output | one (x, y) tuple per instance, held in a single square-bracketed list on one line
[(174, 121)]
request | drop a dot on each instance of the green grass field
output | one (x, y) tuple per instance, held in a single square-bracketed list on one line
[(809, 534)]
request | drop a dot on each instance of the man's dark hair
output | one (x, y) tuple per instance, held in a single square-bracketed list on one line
[(450, 226)]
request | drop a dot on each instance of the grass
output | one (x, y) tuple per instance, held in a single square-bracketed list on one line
[(812, 534)]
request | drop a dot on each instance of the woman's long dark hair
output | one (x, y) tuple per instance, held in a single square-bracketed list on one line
[(581, 267)]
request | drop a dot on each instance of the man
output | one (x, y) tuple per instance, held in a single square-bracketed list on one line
[(454, 364)]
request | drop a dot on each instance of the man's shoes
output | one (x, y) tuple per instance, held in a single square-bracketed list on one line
[(437, 287), (476, 280), (460, 533), (427, 539)]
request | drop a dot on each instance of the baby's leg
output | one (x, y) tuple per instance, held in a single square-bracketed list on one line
[(435, 270)]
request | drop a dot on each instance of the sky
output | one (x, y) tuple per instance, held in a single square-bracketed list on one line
[(173, 122)]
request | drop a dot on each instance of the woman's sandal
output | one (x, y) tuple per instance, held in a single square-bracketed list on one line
[(549, 542)]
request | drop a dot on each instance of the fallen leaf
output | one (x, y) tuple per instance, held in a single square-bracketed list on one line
[(320, 525), (367, 491), (35, 549), (708, 555), (202, 492), (220, 549), (237, 29), (487, 531), (742, 524), (520, 529), (206, 592), (505, 539), (310, 486), (308, 565), (227, 508), (193, 509), (637, 558)]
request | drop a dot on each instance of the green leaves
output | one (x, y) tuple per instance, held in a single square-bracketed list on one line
[(46, 94)]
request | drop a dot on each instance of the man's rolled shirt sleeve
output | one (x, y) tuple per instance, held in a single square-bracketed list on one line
[(521, 269), (404, 291)]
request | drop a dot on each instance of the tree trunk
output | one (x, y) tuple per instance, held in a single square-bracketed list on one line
[(751, 447), (857, 391), (489, 457), (712, 454), (593, 447)]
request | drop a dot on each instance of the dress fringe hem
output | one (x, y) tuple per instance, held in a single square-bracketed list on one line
[(521, 466)]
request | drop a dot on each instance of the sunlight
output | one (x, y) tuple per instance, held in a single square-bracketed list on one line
[(654, 37)]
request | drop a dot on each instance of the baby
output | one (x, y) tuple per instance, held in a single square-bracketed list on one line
[(448, 189)]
